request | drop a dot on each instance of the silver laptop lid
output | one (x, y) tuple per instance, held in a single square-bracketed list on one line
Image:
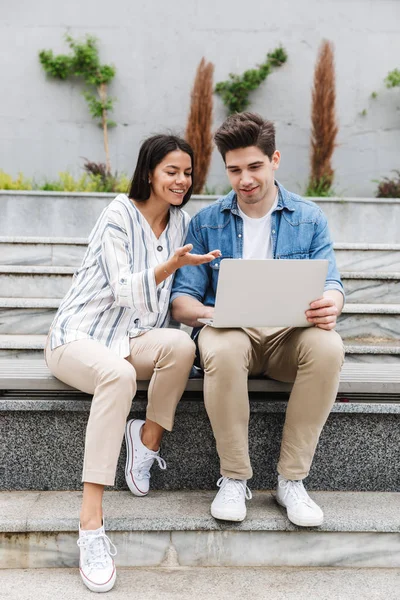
[(267, 292)]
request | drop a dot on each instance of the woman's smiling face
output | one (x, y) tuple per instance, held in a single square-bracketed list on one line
[(172, 178)]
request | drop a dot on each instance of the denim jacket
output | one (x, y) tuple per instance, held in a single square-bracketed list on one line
[(299, 230)]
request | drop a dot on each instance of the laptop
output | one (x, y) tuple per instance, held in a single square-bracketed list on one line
[(266, 292)]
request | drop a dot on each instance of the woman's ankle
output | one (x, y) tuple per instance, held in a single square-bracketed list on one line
[(90, 522), (151, 435)]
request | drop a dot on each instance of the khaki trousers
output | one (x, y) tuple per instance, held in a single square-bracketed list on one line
[(163, 356), (310, 357)]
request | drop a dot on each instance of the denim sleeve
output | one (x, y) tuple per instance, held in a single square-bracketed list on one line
[(192, 281), (322, 247)]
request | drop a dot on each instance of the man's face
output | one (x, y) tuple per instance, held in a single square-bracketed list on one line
[(251, 173)]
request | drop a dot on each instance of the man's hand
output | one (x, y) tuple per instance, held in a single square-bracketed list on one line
[(187, 310), (208, 313), (183, 257), (323, 313)]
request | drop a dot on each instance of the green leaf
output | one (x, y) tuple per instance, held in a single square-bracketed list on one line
[(83, 62), (234, 92), (393, 79)]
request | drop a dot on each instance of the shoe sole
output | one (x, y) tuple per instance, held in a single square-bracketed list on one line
[(221, 517), (301, 522), (129, 459), (95, 587)]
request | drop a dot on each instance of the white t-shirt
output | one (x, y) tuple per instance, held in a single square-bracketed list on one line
[(257, 241)]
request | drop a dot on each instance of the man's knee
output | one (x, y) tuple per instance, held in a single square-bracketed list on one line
[(325, 348), (224, 349)]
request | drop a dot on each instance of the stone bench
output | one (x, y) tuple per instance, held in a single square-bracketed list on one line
[(43, 423), (356, 378)]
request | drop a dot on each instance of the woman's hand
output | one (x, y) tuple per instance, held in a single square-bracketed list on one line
[(183, 257), (180, 258)]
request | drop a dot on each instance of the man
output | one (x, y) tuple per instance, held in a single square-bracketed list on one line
[(260, 219)]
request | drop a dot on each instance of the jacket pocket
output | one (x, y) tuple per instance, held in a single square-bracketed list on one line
[(294, 256), (215, 265)]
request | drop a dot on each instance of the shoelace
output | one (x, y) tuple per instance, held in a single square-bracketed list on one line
[(233, 489), (143, 467), (296, 490), (98, 546)]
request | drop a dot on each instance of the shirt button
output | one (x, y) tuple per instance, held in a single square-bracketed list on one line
[(159, 248), (273, 231), (239, 235), (122, 280)]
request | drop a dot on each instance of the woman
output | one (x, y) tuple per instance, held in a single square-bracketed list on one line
[(111, 329)]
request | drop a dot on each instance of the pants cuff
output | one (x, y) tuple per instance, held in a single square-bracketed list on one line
[(99, 477), (244, 474), (161, 421), (291, 475)]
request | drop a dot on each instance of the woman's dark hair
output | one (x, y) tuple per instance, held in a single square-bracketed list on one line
[(151, 153), (241, 130)]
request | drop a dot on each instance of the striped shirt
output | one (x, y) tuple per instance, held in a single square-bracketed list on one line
[(114, 295)]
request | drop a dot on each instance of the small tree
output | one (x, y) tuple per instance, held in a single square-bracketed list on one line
[(324, 128), (235, 91), (84, 62), (198, 129)]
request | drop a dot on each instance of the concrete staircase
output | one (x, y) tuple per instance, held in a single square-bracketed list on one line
[(35, 273), (43, 239), (176, 530)]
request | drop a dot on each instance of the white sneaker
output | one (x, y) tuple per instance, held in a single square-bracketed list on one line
[(230, 502), (301, 510), (96, 565), (139, 459)]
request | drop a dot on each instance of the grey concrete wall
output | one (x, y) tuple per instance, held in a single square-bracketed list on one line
[(54, 214), (156, 46)]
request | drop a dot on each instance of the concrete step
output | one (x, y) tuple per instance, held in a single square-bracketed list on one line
[(48, 251), (368, 257), (27, 315), (368, 286), (41, 281), (69, 251), (37, 213), (371, 350), (42, 440), (218, 583), (34, 316), (35, 281), (22, 346), (175, 529), (370, 320)]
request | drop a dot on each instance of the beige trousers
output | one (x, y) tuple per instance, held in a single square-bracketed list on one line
[(163, 356), (310, 357)]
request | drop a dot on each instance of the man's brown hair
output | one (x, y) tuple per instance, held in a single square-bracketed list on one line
[(244, 129)]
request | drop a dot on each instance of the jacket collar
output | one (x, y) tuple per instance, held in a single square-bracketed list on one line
[(229, 202)]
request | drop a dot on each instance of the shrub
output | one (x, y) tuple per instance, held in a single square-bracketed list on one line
[(88, 182), (20, 183), (198, 129), (389, 188), (324, 127)]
